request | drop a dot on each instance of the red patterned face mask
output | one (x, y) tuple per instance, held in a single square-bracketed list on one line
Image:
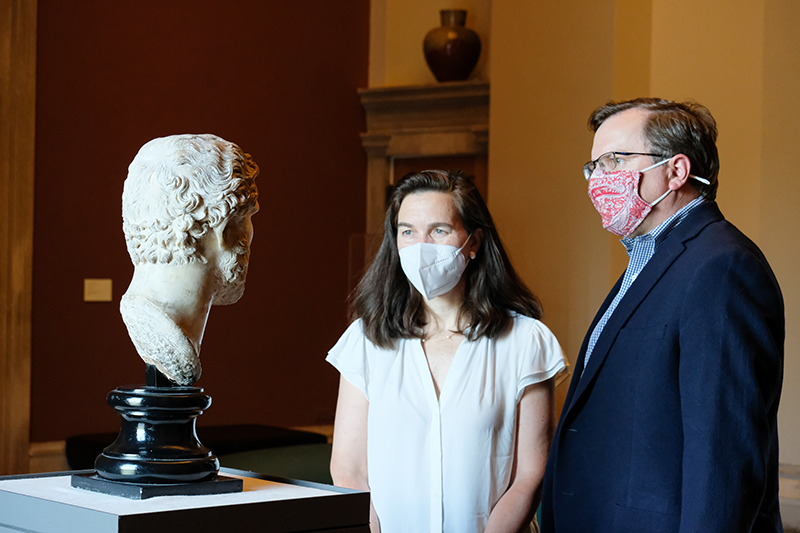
[(615, 195)]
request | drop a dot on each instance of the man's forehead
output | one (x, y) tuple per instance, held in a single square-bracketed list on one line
[(623, 131)]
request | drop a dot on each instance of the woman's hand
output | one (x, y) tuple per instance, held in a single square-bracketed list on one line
[(516, 508), (349, 457)]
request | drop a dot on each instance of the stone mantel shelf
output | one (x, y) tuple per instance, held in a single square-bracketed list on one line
[(470, 88), (443, 119), (424, 106)]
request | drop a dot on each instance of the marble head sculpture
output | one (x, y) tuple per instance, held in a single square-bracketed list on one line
[(186, 208)]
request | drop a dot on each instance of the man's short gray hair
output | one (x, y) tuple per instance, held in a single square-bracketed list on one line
[(673, 128)]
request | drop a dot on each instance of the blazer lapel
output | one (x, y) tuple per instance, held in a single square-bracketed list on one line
[(579, 364), (672, 247)]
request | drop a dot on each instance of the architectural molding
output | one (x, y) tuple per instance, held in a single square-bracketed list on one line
[(418, 121), (17, 128)]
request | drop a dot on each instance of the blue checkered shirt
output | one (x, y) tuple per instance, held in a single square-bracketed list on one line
[(640, 249)]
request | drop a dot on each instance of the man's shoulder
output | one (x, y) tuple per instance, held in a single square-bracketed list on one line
[(707, 239), (721, 235), (718, 248), (707, 228)]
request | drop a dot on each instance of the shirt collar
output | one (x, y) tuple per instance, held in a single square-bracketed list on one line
[(660, 232)]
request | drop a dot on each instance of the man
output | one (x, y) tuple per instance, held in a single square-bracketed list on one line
[(670, 422), (186, 209)]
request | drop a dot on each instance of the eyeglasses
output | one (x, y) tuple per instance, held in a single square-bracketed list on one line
[(609, 161)]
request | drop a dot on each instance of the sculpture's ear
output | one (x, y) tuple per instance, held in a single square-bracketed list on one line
[(220, 235), (231, 234), (228, 235)]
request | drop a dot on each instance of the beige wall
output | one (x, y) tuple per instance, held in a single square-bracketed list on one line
[(545, 79), (720, 65), (779, 215), (551, 63)]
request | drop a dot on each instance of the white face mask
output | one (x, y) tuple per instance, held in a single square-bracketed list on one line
[(433, 269)]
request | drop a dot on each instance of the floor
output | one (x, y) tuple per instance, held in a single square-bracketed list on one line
[(790, 498)]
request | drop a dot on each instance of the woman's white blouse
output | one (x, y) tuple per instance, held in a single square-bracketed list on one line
[(441, 465)]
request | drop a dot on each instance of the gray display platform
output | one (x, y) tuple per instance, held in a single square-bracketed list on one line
[(46, 503)]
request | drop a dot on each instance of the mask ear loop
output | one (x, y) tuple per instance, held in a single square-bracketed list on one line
[(698, 178), (652, 167), (661, 198), (465, 243), (472, 255), (656, 165)]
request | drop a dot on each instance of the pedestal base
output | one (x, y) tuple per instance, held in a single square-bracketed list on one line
[(157, 443), (133, 491)]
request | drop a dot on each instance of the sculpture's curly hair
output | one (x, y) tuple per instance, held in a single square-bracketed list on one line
[(178, 188)]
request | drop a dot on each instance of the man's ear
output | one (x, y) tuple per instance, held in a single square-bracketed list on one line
[(680, 168)]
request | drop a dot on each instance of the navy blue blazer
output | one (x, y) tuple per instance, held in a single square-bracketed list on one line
[(673, 426)]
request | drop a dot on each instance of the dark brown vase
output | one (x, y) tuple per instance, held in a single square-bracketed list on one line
[(451, 50)]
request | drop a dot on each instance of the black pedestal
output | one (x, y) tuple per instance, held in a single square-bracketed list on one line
[(141, 491), (157, 444)]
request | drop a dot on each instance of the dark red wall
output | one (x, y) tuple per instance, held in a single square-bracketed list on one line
[(277, 77)]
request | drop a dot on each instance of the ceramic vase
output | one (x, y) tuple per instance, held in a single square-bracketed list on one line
[(452, 50)]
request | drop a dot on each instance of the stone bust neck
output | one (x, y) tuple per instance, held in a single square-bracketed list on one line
[(165, 310)]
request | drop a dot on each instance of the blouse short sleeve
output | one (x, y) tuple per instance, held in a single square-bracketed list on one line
[(349, 357), (440, 463), (542, 356)]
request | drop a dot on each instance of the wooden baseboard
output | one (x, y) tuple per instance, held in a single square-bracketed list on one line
[(326, 430), (52, 456), (48, 456)]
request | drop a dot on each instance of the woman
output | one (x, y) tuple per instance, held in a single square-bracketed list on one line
[(445, 406)]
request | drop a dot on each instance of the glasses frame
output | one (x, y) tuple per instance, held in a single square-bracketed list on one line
[(589, 167)]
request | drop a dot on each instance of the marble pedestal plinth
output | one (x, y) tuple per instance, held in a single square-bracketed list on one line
[(48, 504)]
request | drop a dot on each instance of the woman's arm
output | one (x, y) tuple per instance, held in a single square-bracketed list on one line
[(349, 457), (515, 509)]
